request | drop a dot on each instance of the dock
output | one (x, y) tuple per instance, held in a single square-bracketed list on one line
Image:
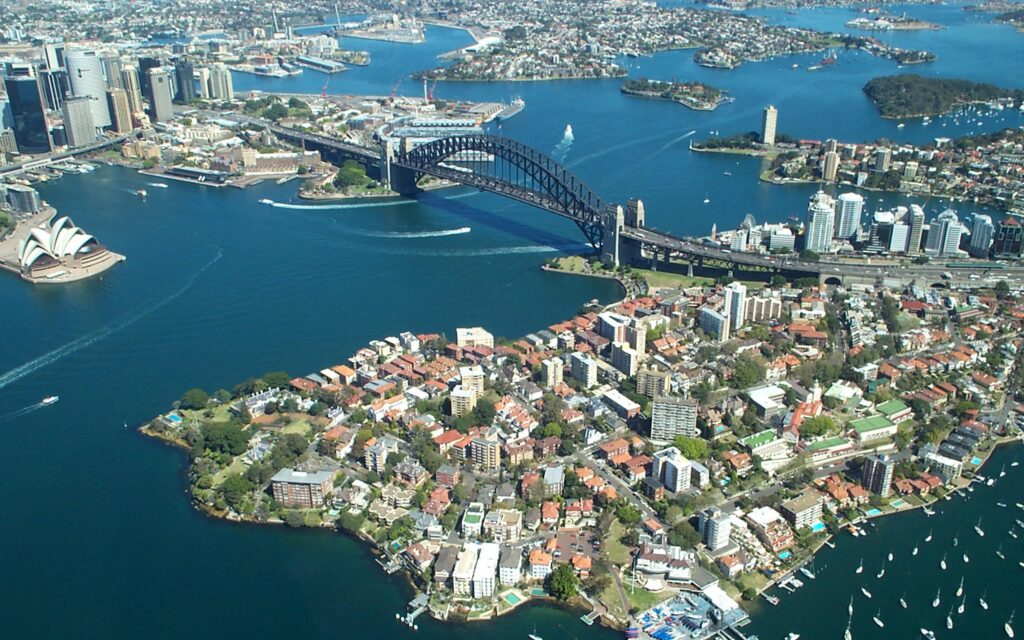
[(416, 608)]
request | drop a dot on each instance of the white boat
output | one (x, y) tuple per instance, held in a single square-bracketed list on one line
[(867, 594), (48, 400), (914, 552), (849, 608), (807, 572), (1002, 472), (1014, 463), (793, 636), (999, 552), (949, 619), (890, 556), (860, 569), (266, 201), (1008, 628), (1013, 534), (928, 538), (978, 530), (942, 563), (707, 200), (1019, 506), (903, 603), (981, 601), (935, 602), (1001, 504), (930, 635), (878, 620), (881, 574), (928, 512), (141, 193), (956, 541), (967, 559), (900, 125), (963, 603), (960, 589)]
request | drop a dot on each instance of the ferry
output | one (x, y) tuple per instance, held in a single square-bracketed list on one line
[(517, 105), (867, 594), (48, 400)]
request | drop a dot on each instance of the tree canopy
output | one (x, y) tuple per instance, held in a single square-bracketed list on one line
[(563, 583)]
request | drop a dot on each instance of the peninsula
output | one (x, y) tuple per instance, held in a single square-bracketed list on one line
[(910, 96), (695, 95)]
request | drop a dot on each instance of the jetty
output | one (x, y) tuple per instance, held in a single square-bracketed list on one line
[(416, 608)]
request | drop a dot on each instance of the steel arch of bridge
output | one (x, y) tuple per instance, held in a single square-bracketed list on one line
[(527, 175)]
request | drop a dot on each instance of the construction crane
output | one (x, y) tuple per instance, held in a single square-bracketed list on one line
[(430, 96), (323, 89)]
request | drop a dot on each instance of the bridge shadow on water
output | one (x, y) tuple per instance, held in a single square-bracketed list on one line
[(501, 223)]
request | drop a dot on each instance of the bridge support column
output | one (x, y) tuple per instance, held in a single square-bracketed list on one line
[(394, 177), (612, 221), (689, 268)]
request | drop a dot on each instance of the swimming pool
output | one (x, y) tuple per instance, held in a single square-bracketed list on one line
[(975, 460), (872, 513), (818, 527), (784, 555), (175, 418), (898, 503), (512, 599)]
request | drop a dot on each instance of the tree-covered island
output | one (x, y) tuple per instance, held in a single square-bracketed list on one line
[(909, 95), (695, 95)]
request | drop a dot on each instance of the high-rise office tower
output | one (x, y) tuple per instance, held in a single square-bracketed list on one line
[(85, 74), (221, 85), (53, 56), (916, 230), (185, 75), (28, 108), (55, 87), (78, 124), (883, 158), (203, 77), (820, 220), (769, 119), (982, 233), (848, 212), (117, 101), (160, 108), (130, 82), (112, 70), (944, 234), (1009, 242)]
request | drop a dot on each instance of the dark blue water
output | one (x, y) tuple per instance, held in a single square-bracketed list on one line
[(99, 538)]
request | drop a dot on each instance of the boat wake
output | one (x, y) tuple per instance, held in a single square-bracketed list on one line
[(562, 148), (326, 207), (158, 185), (82, 342), (21, 412), (415, 234), (675, 140)]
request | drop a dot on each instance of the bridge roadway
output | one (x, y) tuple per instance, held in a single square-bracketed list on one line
[(932, 272)]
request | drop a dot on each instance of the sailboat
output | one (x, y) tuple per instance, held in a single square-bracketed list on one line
[(999, 552), (867, 594), (1002, 472), (960, 609), (978, 530), (890, 556), (534, 636), (882, 572), (967, 559), (960, 589), (942, 563), (878, 620), (914, 552), (981, 600), (860, 569), (949, 619), (935, 602), (928, 538), (847, 635), (1007, 627), (903, 600)]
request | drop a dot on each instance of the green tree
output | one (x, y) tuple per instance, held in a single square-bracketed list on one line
[(234, 489), (817, 426), (484, 412), (684, 535), (563, 582), (223, 437), (747, 372), (1002, 289), (809, 256), (287, 450), (628, 515), (692, 448), (195, 399)]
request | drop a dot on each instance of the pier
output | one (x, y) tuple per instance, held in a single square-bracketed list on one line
[(416, 608)]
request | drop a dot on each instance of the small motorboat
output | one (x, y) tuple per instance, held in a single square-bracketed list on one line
[(903, 603), (48, 400), (967, 559), (878, 620), (890, 556), (914, 552), (266, 201), (928, 538), (867, 594)]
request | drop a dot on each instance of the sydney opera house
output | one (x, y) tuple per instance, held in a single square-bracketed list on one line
[(59, 251)]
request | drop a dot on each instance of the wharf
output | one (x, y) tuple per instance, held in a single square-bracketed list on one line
[(417, 606)]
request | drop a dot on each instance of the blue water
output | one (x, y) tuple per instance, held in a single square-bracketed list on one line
[(99, 539)]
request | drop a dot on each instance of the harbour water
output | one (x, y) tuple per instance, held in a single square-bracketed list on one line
[(99, 537)]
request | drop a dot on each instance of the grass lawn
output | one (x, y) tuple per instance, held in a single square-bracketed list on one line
[(754, 580), (236, 466), (616, 552), (610, 598), (570, 263), (297, 426), (663, 279), (643, 599)]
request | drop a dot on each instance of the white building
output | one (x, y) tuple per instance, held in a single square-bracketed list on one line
[(671, 417), (85, 75), (473, 337), (486, 570), (736, 305), (552, 372), (820, 222), (714, 323), (982, 233), (584, 369), (671, 469), (465, 566), (848, 212)]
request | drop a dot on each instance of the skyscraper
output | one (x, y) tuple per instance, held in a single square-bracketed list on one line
[(117, 101), (1009, 243), (185, 74), (130, 82), (715, 527), (112, 70), (25, 96), (830, 166), (768, 121), (53, 56), (55, 87), (877, 474), (203, 76), (848, 212), (883, 157), (78, 123), (916, 230), (221, 86), (736, 305), (982, 232), (160, 108), (820, 221), (944, 235), (145, 64), (85, 74)]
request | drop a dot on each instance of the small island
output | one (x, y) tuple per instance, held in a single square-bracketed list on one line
[(694, 95), (909, 96), (892, 23)]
